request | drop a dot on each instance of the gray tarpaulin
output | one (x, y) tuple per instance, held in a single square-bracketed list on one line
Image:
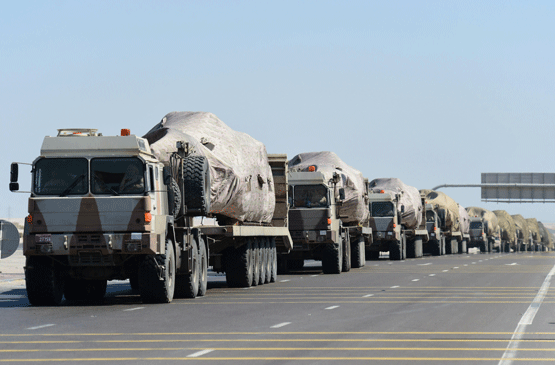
[(241, 177), (355, 205), (534, 228), (410, 199), (443, 201), (464, 220), (487, 216), (522, 226), (547, 237), (507, 225)]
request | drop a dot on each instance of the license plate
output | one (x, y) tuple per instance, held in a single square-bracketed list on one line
[(43, 238)]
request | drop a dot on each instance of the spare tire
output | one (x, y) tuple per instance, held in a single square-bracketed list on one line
[(174, 198), (196, 185)]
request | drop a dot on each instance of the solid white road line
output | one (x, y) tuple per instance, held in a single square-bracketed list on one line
[(526, 320), (43, 326), (279, 325), (200, 353)]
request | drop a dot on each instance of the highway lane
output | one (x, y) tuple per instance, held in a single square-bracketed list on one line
[(449, 309)]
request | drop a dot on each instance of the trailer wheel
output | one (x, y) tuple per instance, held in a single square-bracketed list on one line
[(256, 258), (134, 282), (332, 258), (44, 281), (357, 253), (188, 285), (483, 247), (239, 265), (346, 253), (203, 268), (411, 249), (396, 250), (269, 258), (196, 183), (295, 264), (462, 247), (263, 260), (80, 289), (157, 277), (274, 264)]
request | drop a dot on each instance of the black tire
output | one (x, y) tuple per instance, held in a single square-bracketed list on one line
[(346, 265), (269, 259), (188, 285), (373, 255), (357, 253), (332, 258), (295, 264), (80, 289), (274, 264), (462, 247), (435, 247), (411, 249), (134, 282), (203, 268), (263, 255), (239, 265), (396, 250), (174, 198), (483, 247), (44, 281), (256, 258), (156, 286), (196, 185)]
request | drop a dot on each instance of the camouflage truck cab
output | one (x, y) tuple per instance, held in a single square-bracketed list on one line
[(478, 236), (98, 211)]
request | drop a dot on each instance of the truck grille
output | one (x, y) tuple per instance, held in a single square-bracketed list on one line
[(90, 258), (308, 219)]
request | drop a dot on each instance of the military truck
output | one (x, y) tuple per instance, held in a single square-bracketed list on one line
[(316, 227), (435, 218), (489, 225), (478, 235), (105, 208), (397, 219)]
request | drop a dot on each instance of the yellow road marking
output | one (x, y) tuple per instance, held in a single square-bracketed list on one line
[(288, 358), (277, 349), (278, 333)]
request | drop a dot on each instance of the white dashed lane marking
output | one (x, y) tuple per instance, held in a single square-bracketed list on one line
[(279, 325), (133, 309), (38, 327), (200, 353), (332, 307)]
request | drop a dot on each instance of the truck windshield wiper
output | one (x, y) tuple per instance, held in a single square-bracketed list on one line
[(104, 185), (73, 185)]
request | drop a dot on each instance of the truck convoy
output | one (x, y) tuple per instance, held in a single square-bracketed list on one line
[(448, 235), (123, 207), (484, 229), (127, 207), (397, 220), (328, 214)]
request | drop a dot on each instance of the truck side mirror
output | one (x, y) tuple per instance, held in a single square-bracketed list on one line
[(402, 208), (342, 194), (14, 174)]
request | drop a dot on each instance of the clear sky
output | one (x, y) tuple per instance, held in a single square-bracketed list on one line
[(431, 92)]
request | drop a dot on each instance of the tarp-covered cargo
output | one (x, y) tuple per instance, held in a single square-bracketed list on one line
[(443, 201), (355, 206), (240, 175), (507, 225), (464, 220), (487, 216), (547, 237), (522, 226), (534, 228), (410, 199)]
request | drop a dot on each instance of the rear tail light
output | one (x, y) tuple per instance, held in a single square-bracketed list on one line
[(30, 219)]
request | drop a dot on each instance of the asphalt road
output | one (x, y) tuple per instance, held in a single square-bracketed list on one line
[(477, 308)]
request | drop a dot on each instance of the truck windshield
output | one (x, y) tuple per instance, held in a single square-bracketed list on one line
[(116, 176), (475, 225), (382, 209), (430, 216), (61, 176), (309, 196)]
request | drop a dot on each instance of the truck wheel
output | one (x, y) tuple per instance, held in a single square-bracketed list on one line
[(256, 262), (157, 277), (332, 258), (462, 247), (263, 259), (134, 282), (196, 183), (396, 250), (203, 268), (44, 281), (295, 264), (490, 248), (239, 265), (187, 285), (346, 254), (435, 246), (483, 247), (373, 255), (274, 264), (411, 249), (357, 253)]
